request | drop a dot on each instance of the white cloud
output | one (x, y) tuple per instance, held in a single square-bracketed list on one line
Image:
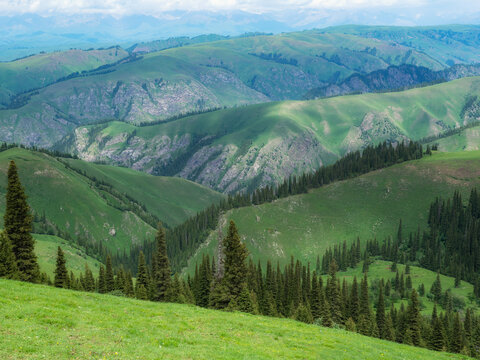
[(152, 7)]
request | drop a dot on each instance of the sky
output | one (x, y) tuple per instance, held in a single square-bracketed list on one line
[(418, 8)]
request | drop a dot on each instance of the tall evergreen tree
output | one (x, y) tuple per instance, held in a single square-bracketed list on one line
[(102, 283), (162, 273), (235, 277), (414, 320), (61, 273), (437, 339), (18, 225), (109, 278), (8, 264), (381, 320), (142, 283)]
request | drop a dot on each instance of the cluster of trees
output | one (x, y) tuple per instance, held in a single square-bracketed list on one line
[(450, 244), (299, 293)]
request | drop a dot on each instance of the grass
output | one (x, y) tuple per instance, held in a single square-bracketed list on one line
[(46, 251), (43, 322), (74, 204), (367, 206)]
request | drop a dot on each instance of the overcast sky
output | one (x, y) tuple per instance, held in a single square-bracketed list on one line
[(152, 7)]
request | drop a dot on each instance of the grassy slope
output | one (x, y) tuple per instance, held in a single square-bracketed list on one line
[(371, 205), (42, 69), (73, 204), (46, 251), (173, 200), (381, 269), (82, 325), (466, 140)]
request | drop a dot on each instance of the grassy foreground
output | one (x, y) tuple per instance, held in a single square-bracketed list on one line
[(40, 322)]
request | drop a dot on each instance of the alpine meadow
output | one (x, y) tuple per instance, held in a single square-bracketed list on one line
[(239, 180)]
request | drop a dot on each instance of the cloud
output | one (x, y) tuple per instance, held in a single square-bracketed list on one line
[(156, 7)]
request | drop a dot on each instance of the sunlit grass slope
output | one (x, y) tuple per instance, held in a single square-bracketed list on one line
[(44, 322), (368, 206)]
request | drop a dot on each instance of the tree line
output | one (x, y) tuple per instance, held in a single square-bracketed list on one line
[(184, 239)]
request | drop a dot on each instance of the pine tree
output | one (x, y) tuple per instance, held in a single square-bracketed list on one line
[(162, 273), (414, 320), (235, 277), (455, 344), (142, 283), (102, 284), (109, 279), (88, 281), (18, 225), (437, 340), (436, 289), (380, 316), (8, 264), (61, 274), (333, 295)]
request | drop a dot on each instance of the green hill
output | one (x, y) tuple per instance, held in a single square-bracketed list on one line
[(83, 208), (40, 321), (241, 148), (40, 70), (197, 77), (368, 206)]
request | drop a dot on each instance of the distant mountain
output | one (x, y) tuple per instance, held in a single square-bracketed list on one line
[(247, 147), (394, 78)]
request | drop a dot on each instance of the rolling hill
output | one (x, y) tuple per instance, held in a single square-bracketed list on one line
[(242, 148), (104, 326), (40, 70), (198, 77), (368, 206), (81, 206)]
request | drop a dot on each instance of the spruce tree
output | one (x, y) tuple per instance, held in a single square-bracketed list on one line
[(61, 274), (236, 253), (8, 264), (437, 340), (142, 283), (88, 280), (455, 344), (436, 289), (380, 316), (18, 225), (102, 284), (414, 320), (109, 278), (162, 273)]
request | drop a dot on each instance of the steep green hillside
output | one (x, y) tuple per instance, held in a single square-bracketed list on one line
[(256, 145), (229, 73), (43, 69), (85, 209), (40, 321), (46, 251), (368, 206)]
